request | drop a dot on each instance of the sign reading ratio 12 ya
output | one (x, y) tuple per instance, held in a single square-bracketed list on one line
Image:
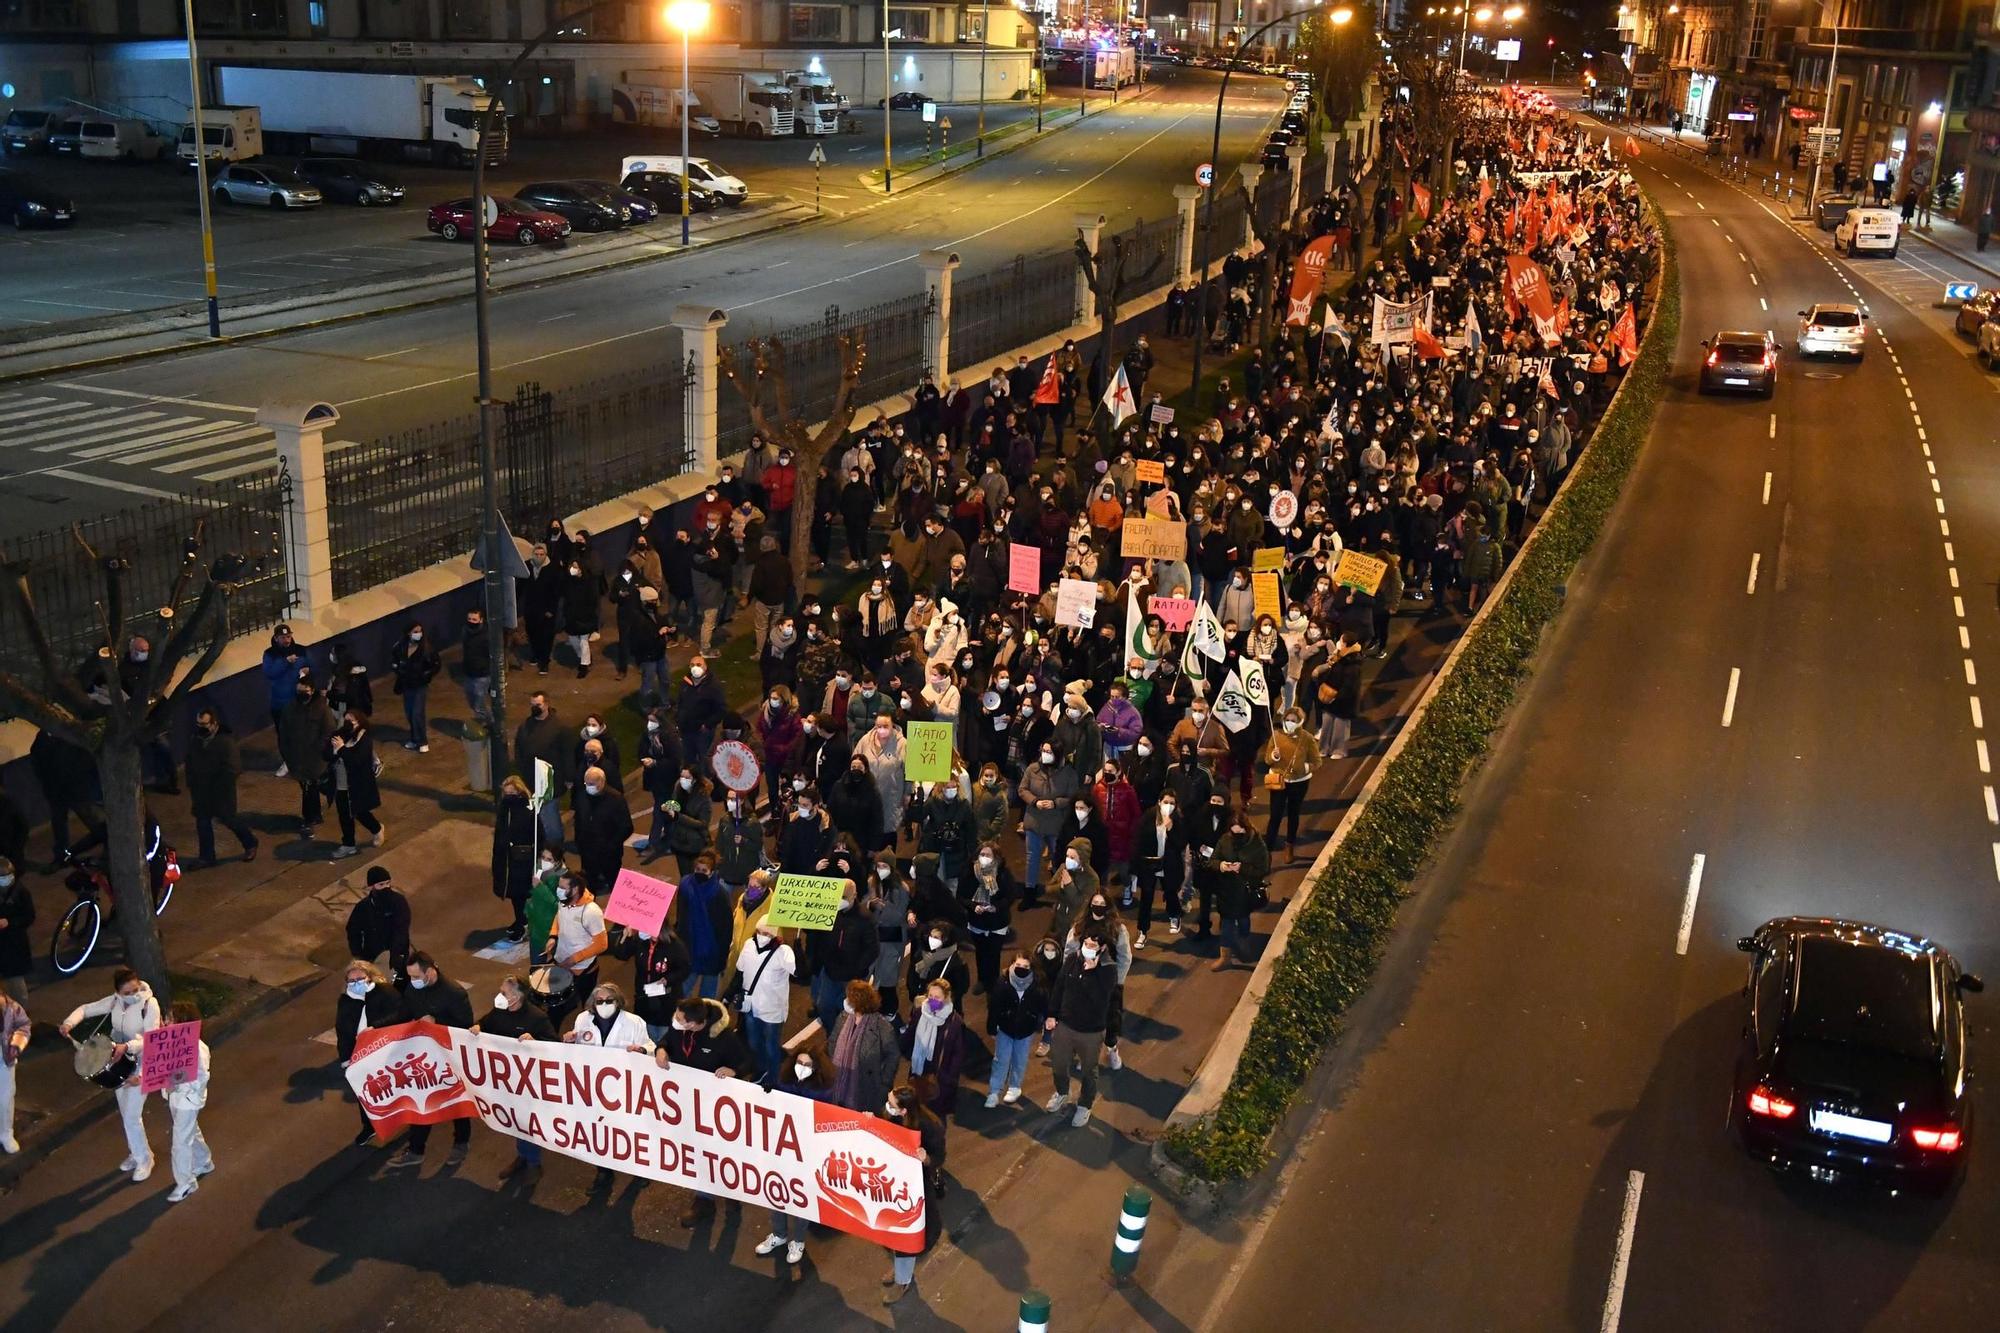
[(929, 759), (807, 902)]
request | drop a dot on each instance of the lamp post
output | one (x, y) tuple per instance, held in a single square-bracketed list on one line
[(686, 15), (201, 177), (985, 17), (1339, 18), (888, 98), (1826, 122)]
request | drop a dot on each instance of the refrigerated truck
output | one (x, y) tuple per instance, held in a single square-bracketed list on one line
[(816, 103), (228, 134), (755, 103), (421, 117)]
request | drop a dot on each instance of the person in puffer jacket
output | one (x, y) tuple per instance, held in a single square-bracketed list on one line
[(1119, 721)]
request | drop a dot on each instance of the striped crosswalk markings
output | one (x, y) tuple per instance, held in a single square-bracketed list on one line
[(42, 434)]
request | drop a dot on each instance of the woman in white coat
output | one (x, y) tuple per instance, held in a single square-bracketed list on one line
[(606, 1022), (133, 1012), (882, 749), (190, 1156)]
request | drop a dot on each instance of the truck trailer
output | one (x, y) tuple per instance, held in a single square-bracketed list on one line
[(415, 117)]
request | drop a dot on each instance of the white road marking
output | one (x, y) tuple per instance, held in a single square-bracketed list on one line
[(404, 351), (1774, 430), (1996, 860), (1687, 906), (1753, 280), (1751, 589), (1628, 1222), (1729, 702), (1762, 302), (1992, 806), (1953, 572), (1971, 673), (1965, 638), (1978, 717), (1949, 557), (1767, 488), (1985, 760), (1958, 607), (155, 397), (130, 488)]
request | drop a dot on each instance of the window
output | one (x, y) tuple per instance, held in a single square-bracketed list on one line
[(815, 23), (316, 16), (467, 18), (915, 23)]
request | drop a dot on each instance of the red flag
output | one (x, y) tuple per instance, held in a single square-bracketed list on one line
[(1050, 389), (1428, 347), (1511, 223), (1485, 191), (1527, 286), (1533, 236), (1308, 279), (1631, 146), (403, 1075), (1474, 233), (1625, 336), (1420, 195)]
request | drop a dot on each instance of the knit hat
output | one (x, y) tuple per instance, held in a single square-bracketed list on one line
[(378, 875)]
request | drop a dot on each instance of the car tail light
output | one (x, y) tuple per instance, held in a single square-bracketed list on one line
[(1770, 358), (1763, 1101), (1715, 356), (1943, 1139)]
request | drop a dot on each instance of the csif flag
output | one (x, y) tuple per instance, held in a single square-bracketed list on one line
[(1204, 640), (1050, 389), (1232, 704), (1137, 643)]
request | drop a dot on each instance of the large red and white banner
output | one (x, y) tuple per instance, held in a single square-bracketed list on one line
[(618, 1109), (406, 1075)]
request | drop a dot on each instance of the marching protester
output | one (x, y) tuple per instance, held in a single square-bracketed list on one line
[(15, 1029), (514, 1017), (429, 994), (367, 1000), (190, 1155), (125, 1017)]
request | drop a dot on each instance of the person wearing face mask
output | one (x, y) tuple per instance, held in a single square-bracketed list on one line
[(780, 733), (1159, 848), (1240, 864), (542, 736), (886, 902), (764, 969), (807, 1073), (781, 652), (1101, 918), (1238, 602), (380, 922), (582, 596), (703, 1037), (945, 830), (595, 747), (1016, 1009), (350, 780), (367, 1000), (660, 769), (543, 901), (843, 953), (1079, 1009), (513, 864), (703, 917), (213, 767), (1048, 792), (992, 813), (127, 1015), (1085, 822), (934, 1044), (1145, 768), (865, 1049), (1289, 758), (905, 1108), (1117, 806), (603, 824), (934, 956), (989, 907), (883, 750), (303, 733), (660, 969), (432, 996), (576, 941), (739, 841), (512, 1016), (1209, 737), (1075, 882), (808, 832), (414, 664)]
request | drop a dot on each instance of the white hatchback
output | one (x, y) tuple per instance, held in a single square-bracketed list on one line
[(1829, 329)]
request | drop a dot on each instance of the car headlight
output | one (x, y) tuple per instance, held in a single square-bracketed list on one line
[(34, 207)]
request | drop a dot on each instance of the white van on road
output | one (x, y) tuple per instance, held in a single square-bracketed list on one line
[(1874, 231)]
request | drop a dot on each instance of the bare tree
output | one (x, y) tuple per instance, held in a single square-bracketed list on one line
[(1106, 276), (93, 709), (765, 387), (1439, 104), (1270, 224), (1341, 57)]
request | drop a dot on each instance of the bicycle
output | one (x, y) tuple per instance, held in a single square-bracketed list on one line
[(78, 932)]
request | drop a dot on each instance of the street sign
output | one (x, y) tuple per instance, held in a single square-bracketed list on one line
[(1960, 291), (930, 113), (818, 157), (1507, 50), (944, 122), (490, 210), (1204, 175)]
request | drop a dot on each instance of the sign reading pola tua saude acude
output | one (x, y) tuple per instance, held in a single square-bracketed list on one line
[(619, 1109)]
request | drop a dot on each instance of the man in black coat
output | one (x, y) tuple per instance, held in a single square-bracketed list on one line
[(380, 923), (698, 711), (603, 823), (434, 996), (516, 1018), (213, 766), (67, 776), (541, 736)]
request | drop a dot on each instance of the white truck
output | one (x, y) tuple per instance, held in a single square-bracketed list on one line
[(651, 105), (816, 103), (228, 134), (419, 117), (755, 103)]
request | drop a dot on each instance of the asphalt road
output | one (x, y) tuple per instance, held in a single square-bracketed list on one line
[(85, 442), (1771, 664), (136, 245)]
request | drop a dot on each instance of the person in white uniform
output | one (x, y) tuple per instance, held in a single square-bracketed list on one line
[(133, 1012), (190, 1157)]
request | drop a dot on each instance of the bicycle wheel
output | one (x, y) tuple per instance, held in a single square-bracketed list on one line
[(76, 936), (163, 893)]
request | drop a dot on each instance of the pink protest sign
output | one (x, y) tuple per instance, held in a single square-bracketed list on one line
[(1174, 612), (639, 902), (172, 1056), (1024, 568)]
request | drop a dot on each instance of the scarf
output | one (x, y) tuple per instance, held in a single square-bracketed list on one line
[(988, 884), (923, 1050), (933, 962), (846, 1078)]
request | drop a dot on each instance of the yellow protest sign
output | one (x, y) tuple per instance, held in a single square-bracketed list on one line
[(1356, 570), (1268, 558), (1265, 588), (809, 902), (1152, 471), (1154, 538), (929, 758)]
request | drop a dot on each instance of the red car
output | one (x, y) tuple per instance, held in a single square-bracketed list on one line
[(517, 222)]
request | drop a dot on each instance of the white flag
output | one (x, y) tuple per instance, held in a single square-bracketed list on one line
[(1137, 643), (1254, 685), (1475, 338), (1118, 398), (1232, 704)]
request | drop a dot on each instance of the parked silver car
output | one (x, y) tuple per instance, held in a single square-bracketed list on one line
[(275, 187)]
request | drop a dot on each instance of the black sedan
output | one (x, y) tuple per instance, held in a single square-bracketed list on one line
[(907, 101), (346, 181), (1852, 1065), (664, 189), (26, 202), (566, 199)]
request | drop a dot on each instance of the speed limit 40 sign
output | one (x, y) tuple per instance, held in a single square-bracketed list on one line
[(1204, 175)]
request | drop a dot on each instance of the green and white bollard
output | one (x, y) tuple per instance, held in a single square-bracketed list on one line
[(1034, 1312), (1131, 1232)]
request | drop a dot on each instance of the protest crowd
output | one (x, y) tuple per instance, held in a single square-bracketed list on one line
[(1067, 716)]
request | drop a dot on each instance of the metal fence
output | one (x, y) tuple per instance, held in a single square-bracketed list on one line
[(414, 498), (242, 518), (892, 333), (1008, 307), (1149, 256)]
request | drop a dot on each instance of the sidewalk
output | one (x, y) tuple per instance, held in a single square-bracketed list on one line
[(1961, 243)]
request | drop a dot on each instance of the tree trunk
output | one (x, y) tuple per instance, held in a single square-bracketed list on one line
[(805, 508), (125, 858)]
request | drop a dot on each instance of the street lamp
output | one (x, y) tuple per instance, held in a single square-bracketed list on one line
[(1340, 18), (201, 178), (985, 19), (686, 16)]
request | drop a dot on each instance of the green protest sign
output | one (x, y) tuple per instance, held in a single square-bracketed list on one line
[(809, 902)]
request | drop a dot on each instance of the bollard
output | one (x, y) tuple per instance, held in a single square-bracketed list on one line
[(1034, 1312), (1131, 1232)]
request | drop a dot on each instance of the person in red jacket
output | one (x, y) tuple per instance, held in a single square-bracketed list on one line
[(1118, 806), (781, 486), (712, 502)]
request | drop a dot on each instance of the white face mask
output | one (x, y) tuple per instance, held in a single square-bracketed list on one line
[(592, 788), (591, 732), (1048, 756), (606, 1009), (500, 1000), (985, 863), (687, 784), (1089, 953), (1290, 726), (1072, 862), (547, 865), (846, 1007), (802, 1071), (937, 941), (416, 636), (562, 895), (418, 983), (1144, 749), (951, 793), (696, 673), (652, 724), (882, 872)]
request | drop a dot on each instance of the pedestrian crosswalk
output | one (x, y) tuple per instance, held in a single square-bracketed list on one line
[(118, 440)]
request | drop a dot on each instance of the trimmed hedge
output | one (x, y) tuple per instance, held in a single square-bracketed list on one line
[(1341, 931)]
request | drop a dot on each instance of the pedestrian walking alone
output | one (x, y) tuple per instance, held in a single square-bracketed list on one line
[(350, 777), (213, 766), (415, 664)]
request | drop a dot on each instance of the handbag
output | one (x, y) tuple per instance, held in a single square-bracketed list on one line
[(1274, 780), (1327, 694)]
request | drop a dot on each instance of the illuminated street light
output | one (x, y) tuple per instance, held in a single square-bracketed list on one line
[(685, 17)]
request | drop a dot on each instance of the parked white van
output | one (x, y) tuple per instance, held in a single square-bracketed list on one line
[(700, 171), (1873, 231), (122, 139)]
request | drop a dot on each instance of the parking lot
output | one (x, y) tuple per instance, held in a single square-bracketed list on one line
[(136, 243)]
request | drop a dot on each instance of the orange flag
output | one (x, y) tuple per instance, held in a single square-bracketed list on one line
[(1625, 336), (1631, 146), (1420, 195), (1428, 347)]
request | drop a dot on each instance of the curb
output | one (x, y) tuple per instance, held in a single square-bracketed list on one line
[(1959, 255), (64, 1124), (529, 281), (941, 170)]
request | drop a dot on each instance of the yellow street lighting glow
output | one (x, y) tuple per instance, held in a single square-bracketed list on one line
[(687, 15)]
